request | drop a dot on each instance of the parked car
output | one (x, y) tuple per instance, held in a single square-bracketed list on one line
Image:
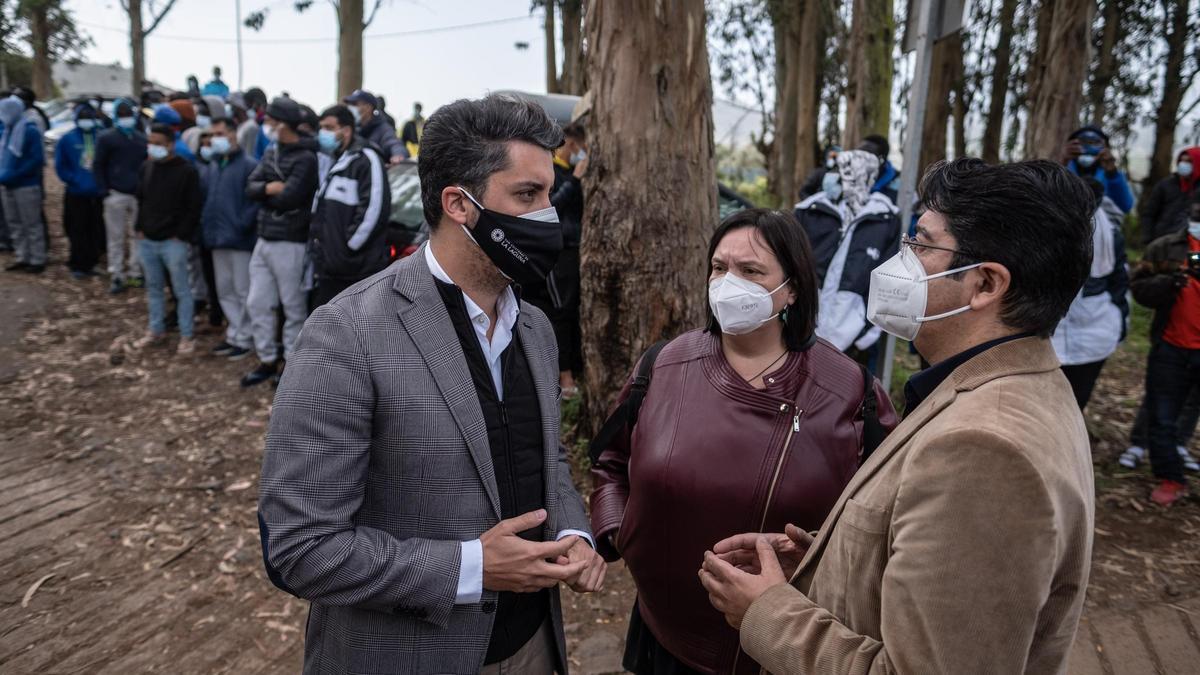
[(407, 228)]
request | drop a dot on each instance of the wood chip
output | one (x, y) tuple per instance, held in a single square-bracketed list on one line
[(33, 589)]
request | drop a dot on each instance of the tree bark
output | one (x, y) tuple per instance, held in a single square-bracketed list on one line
[(573, 80), (648, 215), (947, 59), (350, 47), (810, 46), (1172, 93), (781, 164), (1056, 92), (1106, 68), (962, 104), (1000, 73), (551, 54), (137, 46), (39, 39), (869, 80)]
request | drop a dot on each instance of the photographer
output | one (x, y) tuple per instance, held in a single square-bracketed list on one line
[(1168, 281)]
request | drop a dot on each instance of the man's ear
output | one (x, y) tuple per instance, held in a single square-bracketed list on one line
[(991, 285), (456, 206)]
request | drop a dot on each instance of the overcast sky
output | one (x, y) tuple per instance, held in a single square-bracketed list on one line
[(434, 67)]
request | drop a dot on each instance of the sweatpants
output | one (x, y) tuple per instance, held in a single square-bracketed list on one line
[(120, 212), (23, 211), (83, 223), (276, 276), (196, 274), (231, 273)]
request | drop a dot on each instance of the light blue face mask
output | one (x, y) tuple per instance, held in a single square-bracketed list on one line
[(126, 122), (328, 140), (831, 185), (1194, 228), (206, 153), (157, 152), (86, 124), (220, 145), (578, 156)]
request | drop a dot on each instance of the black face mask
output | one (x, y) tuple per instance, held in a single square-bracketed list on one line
[(523, 249)]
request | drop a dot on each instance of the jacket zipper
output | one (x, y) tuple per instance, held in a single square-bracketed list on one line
[(737, 654)]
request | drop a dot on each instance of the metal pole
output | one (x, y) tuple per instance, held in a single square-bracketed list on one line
[(929, 16), (237, 4)]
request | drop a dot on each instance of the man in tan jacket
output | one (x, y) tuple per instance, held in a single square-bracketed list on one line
[(963, 544)]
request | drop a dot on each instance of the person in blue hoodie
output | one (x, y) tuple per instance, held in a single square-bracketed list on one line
[(120, 152), (1087, 155), (21, 162), (229, 229), (83, 206)]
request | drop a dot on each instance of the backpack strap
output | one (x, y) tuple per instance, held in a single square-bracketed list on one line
[(873, 432), (626, 415)]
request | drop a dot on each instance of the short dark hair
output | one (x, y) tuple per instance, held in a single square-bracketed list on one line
[(786, 238), (466, 141), (575, 130), (163, 129), (877, 145), (1034, 217), (254, 97), (226, 122), (341, 113)]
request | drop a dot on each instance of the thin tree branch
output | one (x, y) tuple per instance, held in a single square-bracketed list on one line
[(158, 19), (373, 11)]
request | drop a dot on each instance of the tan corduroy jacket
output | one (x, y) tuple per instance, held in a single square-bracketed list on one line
[(961, 547)]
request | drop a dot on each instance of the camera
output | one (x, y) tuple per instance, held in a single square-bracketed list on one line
[(1193, 265)]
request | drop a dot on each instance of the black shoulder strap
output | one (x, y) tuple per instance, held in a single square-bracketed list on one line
[(626, 415), (873, 433)]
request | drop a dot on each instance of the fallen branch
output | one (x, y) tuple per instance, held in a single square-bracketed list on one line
[(186, 548)]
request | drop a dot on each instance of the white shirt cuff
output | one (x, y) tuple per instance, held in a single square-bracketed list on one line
[(578, 533), (470, 573)]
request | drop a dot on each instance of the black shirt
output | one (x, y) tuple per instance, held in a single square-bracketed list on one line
[(922, 384)]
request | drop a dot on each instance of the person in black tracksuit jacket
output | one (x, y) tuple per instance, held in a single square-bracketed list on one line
[(347, 239)]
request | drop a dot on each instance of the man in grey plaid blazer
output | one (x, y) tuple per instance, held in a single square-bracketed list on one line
[(414, 488)]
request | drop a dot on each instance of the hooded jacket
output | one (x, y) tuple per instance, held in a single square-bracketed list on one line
[(285, 216), (350, 215), (377, 130), (169, 200), (1095, 322), (119, 156), (74, 156), (229, 217), (1162, 212), (21, 154), (845, 252), (1116, 185)]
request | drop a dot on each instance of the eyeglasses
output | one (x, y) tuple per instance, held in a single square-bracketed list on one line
[(912, 242)]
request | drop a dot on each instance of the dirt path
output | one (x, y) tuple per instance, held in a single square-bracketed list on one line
[(128, 484)]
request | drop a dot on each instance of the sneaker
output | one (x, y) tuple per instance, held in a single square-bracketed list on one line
[(1189, 462), (135, 282), (118, 286), (187, 346), (34, 269), (1132, 457), (150, 340), (17, 267), (1168, 492), (222, 349), (237, 354), (259, 375)]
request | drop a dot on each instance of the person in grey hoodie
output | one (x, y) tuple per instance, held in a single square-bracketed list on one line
[(283, 184)]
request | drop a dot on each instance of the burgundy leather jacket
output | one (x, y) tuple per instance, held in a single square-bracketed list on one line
[(710, 457)]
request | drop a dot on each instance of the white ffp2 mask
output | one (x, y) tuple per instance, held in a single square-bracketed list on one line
[(740, 306), (899, 294)]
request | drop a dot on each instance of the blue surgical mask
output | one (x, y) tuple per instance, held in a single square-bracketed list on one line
[(831, 185), (157, 152), (1184, 169), (328, 140), (126, 122), (220, 145), (578, 156), (206, 153), (86, 124), (1086, 161), (1194, 228), (203, 121)]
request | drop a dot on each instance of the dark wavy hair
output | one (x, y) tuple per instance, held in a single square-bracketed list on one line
[(1035, 218), (786, 238)]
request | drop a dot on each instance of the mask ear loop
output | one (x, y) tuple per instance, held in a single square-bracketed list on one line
[(960, 310), (468, 196)]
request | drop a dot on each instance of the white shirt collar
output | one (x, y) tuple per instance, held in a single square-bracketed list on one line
[(507, 307)]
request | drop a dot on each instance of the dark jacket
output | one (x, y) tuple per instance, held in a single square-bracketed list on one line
[(1163, 211), (74, 156), (229, 217), (350, 215), (851, 251), (169, 200), (119, 157), (285, 216), (567, 198), (26, 170), (377, 130), (710, 457), (1159, 276)]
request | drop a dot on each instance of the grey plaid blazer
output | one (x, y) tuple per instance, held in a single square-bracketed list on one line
[(377, 466)]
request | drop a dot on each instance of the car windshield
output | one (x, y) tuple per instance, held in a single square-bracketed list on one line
[(406, 195)]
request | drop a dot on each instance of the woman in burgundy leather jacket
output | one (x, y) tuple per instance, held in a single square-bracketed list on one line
[(746, 426)]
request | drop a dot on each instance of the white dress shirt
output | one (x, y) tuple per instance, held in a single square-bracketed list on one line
[(470, 572)]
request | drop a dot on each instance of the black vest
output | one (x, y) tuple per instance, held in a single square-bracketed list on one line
[(514, 428)]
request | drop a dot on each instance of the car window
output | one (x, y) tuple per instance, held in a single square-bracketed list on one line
[(406, 196)]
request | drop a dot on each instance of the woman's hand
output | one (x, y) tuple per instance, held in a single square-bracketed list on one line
[(741, 551)]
